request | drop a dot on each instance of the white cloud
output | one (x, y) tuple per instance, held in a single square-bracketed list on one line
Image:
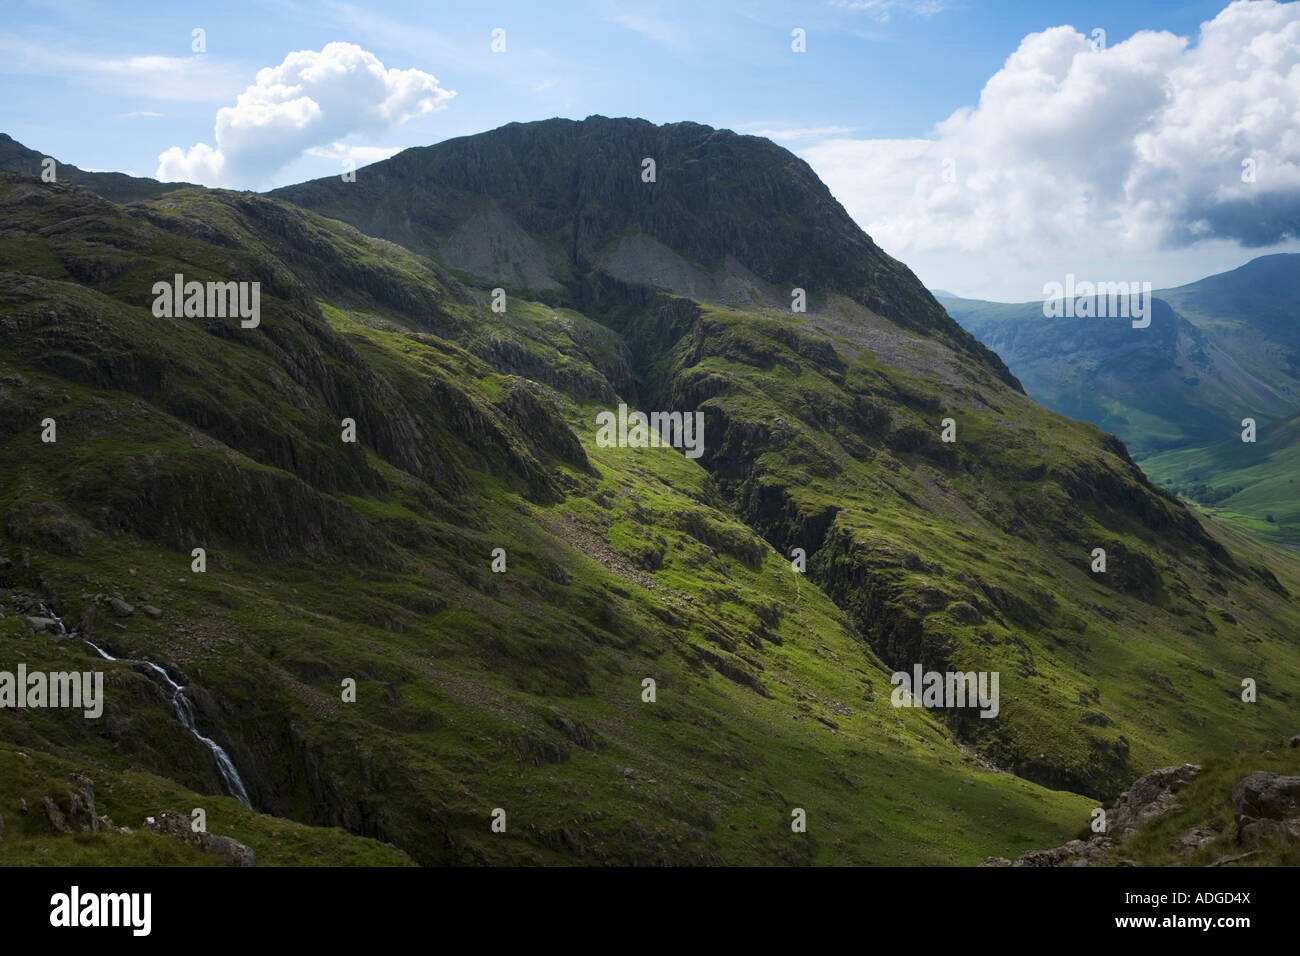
[(310, 101), (357, 156), (1134, 148)]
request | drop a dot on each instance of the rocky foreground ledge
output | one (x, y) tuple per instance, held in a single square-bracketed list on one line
[(1265, 817)]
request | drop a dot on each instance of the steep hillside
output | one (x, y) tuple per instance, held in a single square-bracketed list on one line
[(475, 690), (1251, 312), (1171, 385), (522, 689)]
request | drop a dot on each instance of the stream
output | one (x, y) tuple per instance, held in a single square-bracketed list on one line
[(184, 713)]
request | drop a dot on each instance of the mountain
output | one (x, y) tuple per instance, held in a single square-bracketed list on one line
[(1217, 351), (116, 187), (1252, 313), (559, 209), (1162, 387), (521, 687)]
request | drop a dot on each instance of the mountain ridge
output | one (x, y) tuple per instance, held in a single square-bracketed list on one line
[(115, 187)]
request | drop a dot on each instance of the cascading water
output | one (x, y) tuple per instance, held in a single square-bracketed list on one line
[(184, 713), (53, 617)]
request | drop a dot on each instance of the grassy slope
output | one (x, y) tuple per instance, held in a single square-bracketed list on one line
[(476, 690), (522, 690), (1156, 648), (1249, 483)]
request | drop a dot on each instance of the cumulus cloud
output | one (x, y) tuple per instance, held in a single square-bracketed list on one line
[(311, 101), (1143, 145)]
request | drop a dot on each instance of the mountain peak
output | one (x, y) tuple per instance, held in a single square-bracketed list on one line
[(558, 207)]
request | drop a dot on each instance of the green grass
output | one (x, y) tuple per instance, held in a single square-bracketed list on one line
[(1251, 486)]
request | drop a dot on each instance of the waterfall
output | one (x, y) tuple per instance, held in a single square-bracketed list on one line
[(185, 714)]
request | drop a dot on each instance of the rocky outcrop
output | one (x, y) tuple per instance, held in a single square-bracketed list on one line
[(175, 825), (1150, 797), (72, 809)]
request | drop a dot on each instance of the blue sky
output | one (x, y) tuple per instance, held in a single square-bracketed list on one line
[(114, 86)]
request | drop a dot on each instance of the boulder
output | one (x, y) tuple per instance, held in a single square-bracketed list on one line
[(72, 810), (1151, 796), (1266, 806), (1195, 838), (120, 607)]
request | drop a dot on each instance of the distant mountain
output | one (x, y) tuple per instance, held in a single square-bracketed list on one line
[(1253, 314), (115, 187), (1217, 351)]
